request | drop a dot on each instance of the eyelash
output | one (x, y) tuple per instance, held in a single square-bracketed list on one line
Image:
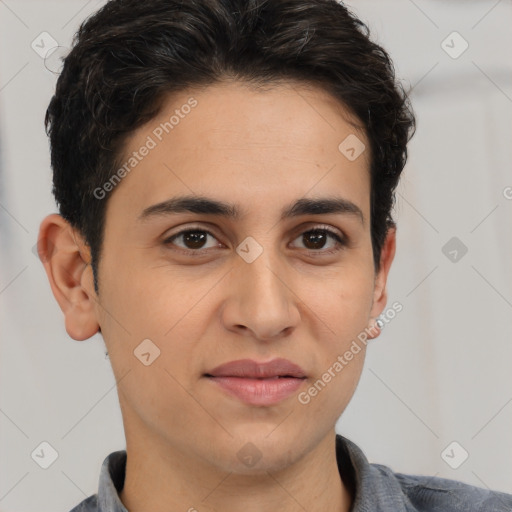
[(341, 241)]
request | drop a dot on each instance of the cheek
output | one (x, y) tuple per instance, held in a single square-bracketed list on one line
[(354, 300), (343, 305), (340, 350), (166, 307), (345, 299), (145, 299), (329, 392)]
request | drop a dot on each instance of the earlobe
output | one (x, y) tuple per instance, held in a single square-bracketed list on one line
[(380, 290), (66, 261)]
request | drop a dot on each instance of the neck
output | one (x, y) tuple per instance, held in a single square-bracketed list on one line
[(164, 479)]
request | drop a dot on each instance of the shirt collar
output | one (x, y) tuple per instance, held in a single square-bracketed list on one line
[(111, 482), (375, 486)]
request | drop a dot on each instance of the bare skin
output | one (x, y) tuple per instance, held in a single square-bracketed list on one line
[(296, 300)]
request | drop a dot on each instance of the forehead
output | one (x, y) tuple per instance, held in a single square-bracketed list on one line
[(237, 115), (233, 142)]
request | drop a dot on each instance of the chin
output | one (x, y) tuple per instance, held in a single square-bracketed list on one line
[(257, 452)]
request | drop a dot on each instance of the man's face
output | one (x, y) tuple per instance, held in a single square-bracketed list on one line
[(255, 287)]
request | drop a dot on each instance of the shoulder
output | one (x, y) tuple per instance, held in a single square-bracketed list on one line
[(378, 487), (434, 494)]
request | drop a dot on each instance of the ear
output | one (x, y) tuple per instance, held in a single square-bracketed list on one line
[(66, 259), (380, 295)]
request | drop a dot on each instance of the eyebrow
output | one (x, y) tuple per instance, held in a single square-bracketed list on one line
[(208, 206)]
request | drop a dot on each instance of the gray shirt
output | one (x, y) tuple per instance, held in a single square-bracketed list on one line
[(376, 488)]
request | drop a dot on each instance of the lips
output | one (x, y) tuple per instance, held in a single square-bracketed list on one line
[(258, 384), (250, 369)]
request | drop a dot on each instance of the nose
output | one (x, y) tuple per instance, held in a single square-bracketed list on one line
[(261, 302)]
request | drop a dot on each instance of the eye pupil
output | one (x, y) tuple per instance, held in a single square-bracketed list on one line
[(197, 238), (315, 236)]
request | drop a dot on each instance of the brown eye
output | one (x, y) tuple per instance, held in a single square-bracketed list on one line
[(315, 240), (193, 240)]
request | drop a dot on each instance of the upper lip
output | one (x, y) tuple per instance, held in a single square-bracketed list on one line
[(249, 368)]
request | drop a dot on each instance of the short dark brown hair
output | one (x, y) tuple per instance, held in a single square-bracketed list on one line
[(130, 54)]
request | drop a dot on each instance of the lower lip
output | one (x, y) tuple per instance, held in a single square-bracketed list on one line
[(259, 391)]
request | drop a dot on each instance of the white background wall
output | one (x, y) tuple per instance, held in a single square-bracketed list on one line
[(440, 371)]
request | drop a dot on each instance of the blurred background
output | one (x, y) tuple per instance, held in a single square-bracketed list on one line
[(435, 397)]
